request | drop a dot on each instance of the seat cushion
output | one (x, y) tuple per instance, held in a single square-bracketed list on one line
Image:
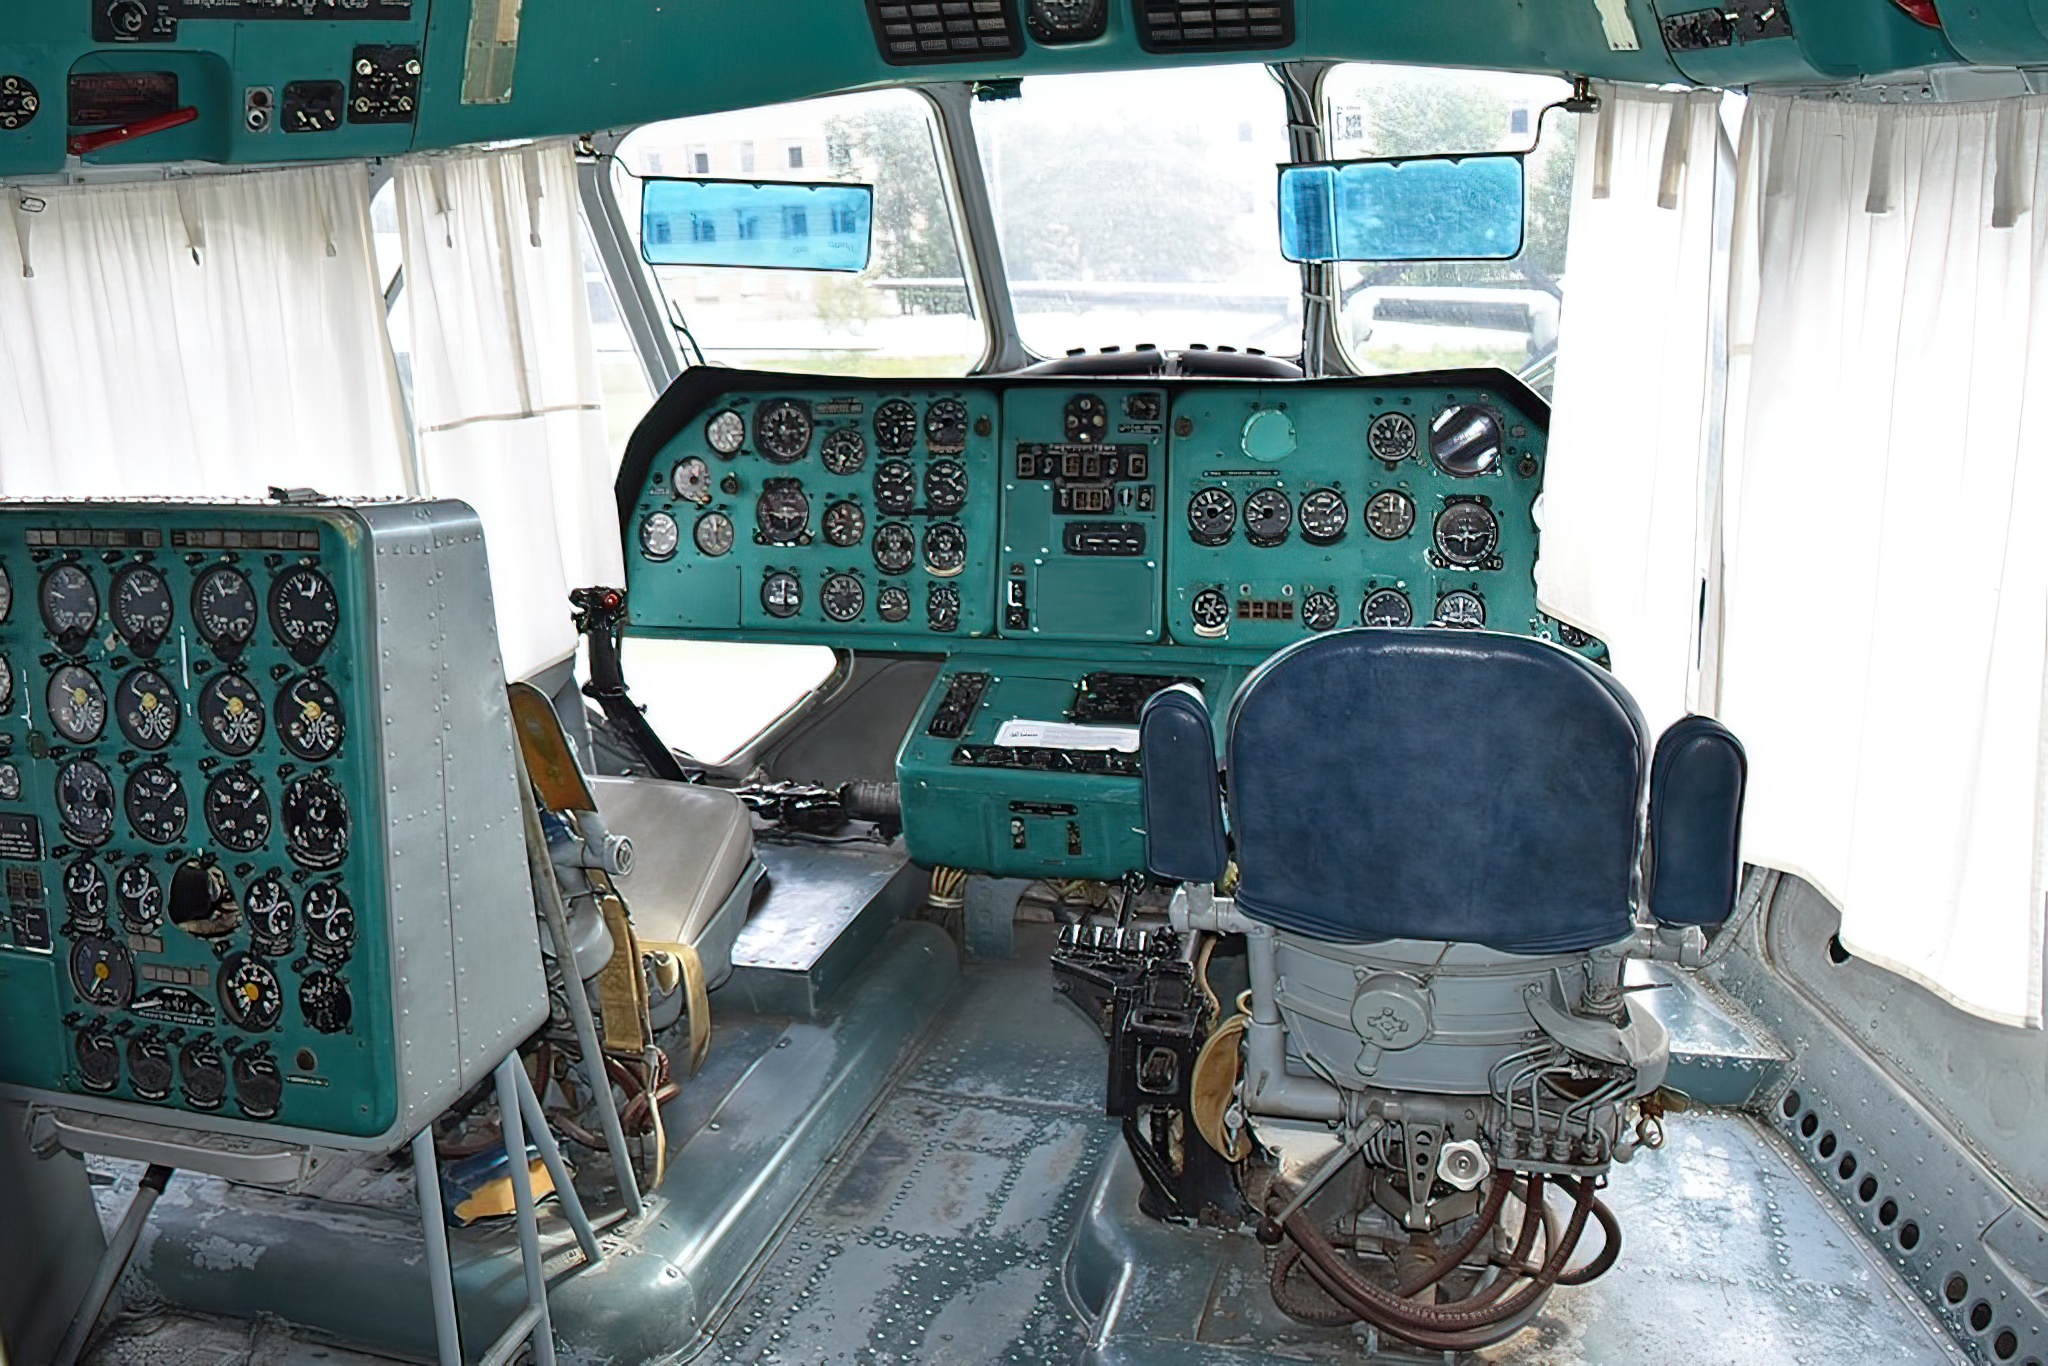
[(1697, 780), (691, 847)]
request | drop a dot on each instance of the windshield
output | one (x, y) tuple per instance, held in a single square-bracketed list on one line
[(1140, 207)]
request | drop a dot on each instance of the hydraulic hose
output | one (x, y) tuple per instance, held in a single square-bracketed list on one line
[(1414, 1283), (1610, 1227)]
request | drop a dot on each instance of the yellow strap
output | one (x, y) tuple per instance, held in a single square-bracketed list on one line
[(621, 986), (696, 1001)]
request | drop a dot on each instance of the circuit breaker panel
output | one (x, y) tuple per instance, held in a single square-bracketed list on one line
[(260, 829)]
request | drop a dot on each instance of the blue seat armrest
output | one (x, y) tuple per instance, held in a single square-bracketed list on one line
[(1697, 779), (1183, 800)]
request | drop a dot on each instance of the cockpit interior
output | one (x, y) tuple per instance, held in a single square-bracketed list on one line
[(1128, 682)]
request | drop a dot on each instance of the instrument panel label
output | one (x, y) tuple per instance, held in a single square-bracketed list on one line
[(21, 837)]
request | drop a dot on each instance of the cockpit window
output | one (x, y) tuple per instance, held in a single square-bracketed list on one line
[(907, 313), (1425, 316), (1140, 207)]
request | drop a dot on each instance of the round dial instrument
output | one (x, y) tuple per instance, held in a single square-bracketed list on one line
[(945, 486), (85, 893), (102, 971), (842, 598), (1085, 420), (1465, 440), (782, 594), (1387, 607), (150, 1072), (945, 426), (99, 1060), (895, 427), (143, 610), (1390, 514), (1461, 608), (315, 822), (1324, 516), (156, 803), (324, 1001), (141, 898), (1319, 611), (6, 593), (895, 547), (10, 783), (1267, 517), (690, 480), (238, 810), (330, 921), (895, 487), (892, 604), (782, 430), (202, 1075), (304, 613), (268, 906), (85, 802), (1212, 516), (78, 708), (231, 714), (146, 709), (659, 536), (309, 719), (783, 512), (224, 607), (249, 994), (70, 603), (713, 534), (1466, 534), (845, 524), (845, 451), (725, 433), (1391, 437), (259, 1086), (942, 608), (1211, 613), (6, 684), (945, 549), (1065, 21)]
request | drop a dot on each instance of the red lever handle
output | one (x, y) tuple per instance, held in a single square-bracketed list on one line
[(85, 144)]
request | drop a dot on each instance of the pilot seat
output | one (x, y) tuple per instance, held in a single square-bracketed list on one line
[(1442, 849)]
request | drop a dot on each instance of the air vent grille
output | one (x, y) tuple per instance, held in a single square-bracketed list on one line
[(1207, 26), (919, 32)]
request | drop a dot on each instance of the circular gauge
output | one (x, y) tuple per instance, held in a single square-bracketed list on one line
[(725, 433), (1465, 440), (659, 536), (895, 427), (945, 486), (1268, 436), (155, 802), (1387, 607), (1391, 437), (323, 1000), (71, 605), (1212, 516), (78, 708), (142, 608), (1390, 514), (1267, 517), (842, 598), (141, 898), (690, 480), (892, 604), (10, 783), (783, 513), (1568, 634), (85, 893), (99, 1060), (202, 1075), (1466, 534), (249, 994), (224, 606), (6, 683), (942, 608), (1324, 516), (782, 594), (146, 709), (782, 429), (945, 426), (1085, 420), (1461, 608), (315, 821), (6, 593), (1066, 21), (309, 719), (304, 613), (713, 534), (268, 906), (845, 451), (845, 524), (895, 547), (330, 921), (895, 487), (150, 1072), (945, 549), (238, 811), (231, 714), (102, 972), (85, 802), (1319, 611), (259, 1086), (1211, 613)]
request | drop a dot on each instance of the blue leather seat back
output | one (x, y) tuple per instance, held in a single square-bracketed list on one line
[(1182, 800), (1697, 782), (1436, 784)]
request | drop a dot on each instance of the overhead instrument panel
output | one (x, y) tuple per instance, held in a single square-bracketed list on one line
[(924, 32), (223, 726)]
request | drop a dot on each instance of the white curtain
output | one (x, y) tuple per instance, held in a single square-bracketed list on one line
[(210, 335), (1886, 638), (1623, 512), (506, 395)]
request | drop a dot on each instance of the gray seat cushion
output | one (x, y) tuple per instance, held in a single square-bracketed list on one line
[(691, 846)]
